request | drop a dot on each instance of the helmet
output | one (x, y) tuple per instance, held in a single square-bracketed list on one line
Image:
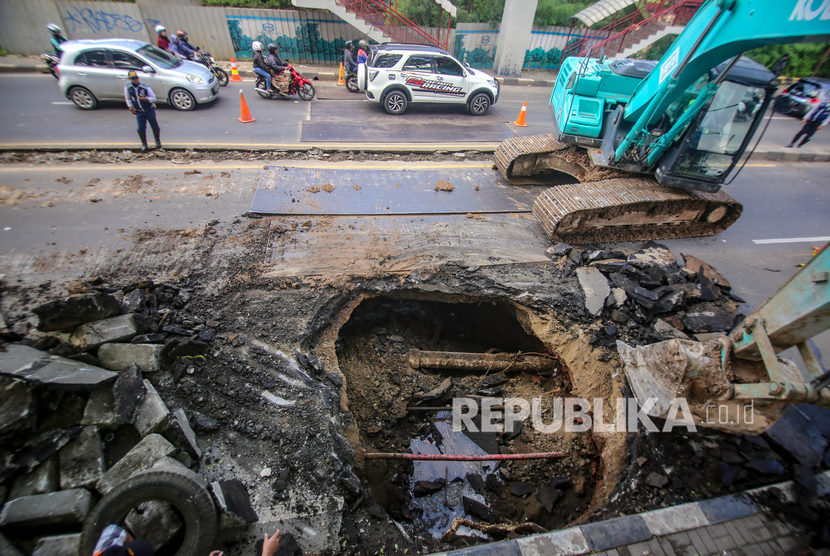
[(350, 46), (160, 28), (54, 28), (363, 44), (256, 46), (272, 47), (181, 33)]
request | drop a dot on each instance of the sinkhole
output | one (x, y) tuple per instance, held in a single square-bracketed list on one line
[(406, 357)]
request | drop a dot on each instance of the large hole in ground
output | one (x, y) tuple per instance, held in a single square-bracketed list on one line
[(387, 397)]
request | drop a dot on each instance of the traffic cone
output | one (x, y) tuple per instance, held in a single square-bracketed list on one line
[(520, 121), (340, 79), (234, 71), (245, 114)]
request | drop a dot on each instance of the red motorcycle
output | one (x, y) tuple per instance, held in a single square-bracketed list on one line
[(298, 85)]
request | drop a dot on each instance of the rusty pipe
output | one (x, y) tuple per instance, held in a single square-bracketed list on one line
[(464, 361), (462, 457)]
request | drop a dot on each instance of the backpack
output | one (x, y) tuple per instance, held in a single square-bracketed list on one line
[(821, 113)]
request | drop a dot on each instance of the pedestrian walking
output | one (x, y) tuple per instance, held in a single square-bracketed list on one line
[(813, 121), (141, 102)]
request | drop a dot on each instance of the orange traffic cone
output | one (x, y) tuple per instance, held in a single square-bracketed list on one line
[(234, 71), (340, 79), (245, 114), (520, 121)]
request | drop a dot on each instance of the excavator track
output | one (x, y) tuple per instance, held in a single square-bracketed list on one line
[(607, 205)]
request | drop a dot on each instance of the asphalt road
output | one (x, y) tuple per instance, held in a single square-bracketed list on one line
[(35, 112)]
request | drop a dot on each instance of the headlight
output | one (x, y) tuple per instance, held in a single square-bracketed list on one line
[(493, 83), (195, 79)]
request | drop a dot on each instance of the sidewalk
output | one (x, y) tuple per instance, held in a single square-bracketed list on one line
[(736, 524)]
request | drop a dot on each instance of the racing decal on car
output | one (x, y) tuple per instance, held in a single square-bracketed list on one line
[(439, 87)]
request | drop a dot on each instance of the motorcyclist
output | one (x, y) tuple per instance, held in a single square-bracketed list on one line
[(186, 43), (56, 39), (261, 66), (277, 68), (362, 51), (348, 58), (180, 47), (163, 41)]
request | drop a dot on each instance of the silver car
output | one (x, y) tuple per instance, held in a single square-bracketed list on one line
[(96, 70)]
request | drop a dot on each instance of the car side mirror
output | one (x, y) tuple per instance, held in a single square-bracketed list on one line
[(148, 69)]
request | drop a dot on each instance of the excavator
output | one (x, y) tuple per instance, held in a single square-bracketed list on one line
[(650, 145)]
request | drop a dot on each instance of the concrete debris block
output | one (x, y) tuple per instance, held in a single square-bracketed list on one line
[(819, 416), (180, 433), (547, 496), (65, 507), (708, 317), (152, 414), (43, 479), (52, 371), (99, 409), (134, 301), (233, 497), (75, 310), (694, 265), (424, 488), (115, 329), (154, 521), (651, 256), (18, 407), (127, 393), (118, 357), (667, 331), (59, 545), (149, 338), (144, 455), (656, 480), (619, 296), (7, 548), (82, 460), (478, 509), (35, 451), (182, 347), (521, 489), (438, 391), (203, 423), (796, 435), (644, 297), (610, 266), (559, 250), (766, 466), (595, 287), (671, 300)]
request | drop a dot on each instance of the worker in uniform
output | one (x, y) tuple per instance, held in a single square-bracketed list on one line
[(141, 102)]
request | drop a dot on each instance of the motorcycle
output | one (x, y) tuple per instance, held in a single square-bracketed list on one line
[(298, 85), (351, 82), (52, 60), (207, 60)]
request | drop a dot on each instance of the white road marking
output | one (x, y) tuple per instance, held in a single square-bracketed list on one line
[(819, 239), (62, 102)]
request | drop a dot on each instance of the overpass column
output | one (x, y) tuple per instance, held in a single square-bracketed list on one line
[(514, 37)]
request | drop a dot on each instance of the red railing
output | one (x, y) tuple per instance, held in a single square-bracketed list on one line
[(386, 18), (677, 14), (644, 10)]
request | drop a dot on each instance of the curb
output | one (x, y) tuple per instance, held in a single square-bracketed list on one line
[(630, 529)]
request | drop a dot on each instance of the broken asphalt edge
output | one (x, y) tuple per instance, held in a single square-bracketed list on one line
[(636, 528)]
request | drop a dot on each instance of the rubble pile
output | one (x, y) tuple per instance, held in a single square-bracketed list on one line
[(78, 417), (649, 295)]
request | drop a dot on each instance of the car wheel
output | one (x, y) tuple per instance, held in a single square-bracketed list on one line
[(83, 98), (306, 92), (395, 103), (479, 104), (182, 99)]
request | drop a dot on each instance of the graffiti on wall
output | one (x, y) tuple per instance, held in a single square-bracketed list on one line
[(87, 20), (305, 43)]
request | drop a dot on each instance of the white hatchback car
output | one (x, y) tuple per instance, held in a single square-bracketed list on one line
[(399, 74), (96, 70)]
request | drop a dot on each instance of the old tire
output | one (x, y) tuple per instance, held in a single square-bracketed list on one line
[(182, 99), (479, 104), (395, 102), (185, 491), (222, 76), (83, 98), (306, 92)]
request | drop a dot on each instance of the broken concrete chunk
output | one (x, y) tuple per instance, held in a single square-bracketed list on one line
[(154, 521), (152, 413), (708, 317), (796, 435), (144, 455), (652, 256), (118, 357), (18, 407), (183, 347), (58, 545), (666, 330), (43, 479), (438, 391), (766, 466), (478, 509), (82, 460), (234, 498), (38, 367), (644, 297), (547, 496), (424, 488), (619, 296), (35, 451), (99, 409), (127, 393), (180, 433), (521, 489), (115, 329), (695, 265), (134, 301), (595, 287), (75, 310), (559, 250), (65, 507)]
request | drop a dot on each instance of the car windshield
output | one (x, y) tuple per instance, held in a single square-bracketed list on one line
[(159, 56)]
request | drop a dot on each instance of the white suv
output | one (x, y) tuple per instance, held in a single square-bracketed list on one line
[(398, 74)]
